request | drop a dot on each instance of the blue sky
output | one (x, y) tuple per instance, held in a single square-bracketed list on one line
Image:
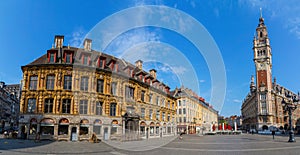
[(28, 27)]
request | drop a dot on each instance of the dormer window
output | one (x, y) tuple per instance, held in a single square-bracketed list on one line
[(52, 56), (115, 67), (101, 62), (68, 57), (85, 60)]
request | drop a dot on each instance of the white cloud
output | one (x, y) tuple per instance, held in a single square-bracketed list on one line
[(179, 69), (201, 81), (237, 101), (287, 12), (77, 37), (132, 38)]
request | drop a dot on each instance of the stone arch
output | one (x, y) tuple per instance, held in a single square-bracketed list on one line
[(265, 127)]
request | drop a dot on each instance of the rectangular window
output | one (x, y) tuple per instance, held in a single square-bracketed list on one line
[(183, 103), (163, 116), (84, 83), (179, 103), (85, 60), (150, 98), (184, 119), (263, 97), (31, 105), (113, 109), (143, 112), (68, 58), (99, 108), (83, 106), (157, 100), (52, 57), (143, 95), (129, 92), (169, 104), (264, 108), (114, 88), (33, 82), (179, 111), (157, 115), (183, 111), (50, 82), (68, 82), (100, 85), (101, 62), (48, 106), (66, 106), (150, 114), (168, 117), (163, 102)]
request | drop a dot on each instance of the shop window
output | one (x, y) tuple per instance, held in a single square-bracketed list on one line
[(84, 127), (97, 127), (47, 127), (63, 127)]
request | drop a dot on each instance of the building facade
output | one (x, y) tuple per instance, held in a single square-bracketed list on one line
[(9, 108), (262, 108), (194, 115), (70, 93)]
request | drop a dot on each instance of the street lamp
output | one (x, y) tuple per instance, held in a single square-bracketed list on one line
[(290, 105)]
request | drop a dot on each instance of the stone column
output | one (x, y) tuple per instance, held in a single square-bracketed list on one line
[(235, 126)]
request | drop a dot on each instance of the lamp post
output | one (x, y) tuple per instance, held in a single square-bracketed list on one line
[(290, 105)]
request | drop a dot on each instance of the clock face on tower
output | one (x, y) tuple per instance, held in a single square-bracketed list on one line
[(261, 66)]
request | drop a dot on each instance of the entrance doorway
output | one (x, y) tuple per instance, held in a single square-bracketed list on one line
[(74, 136)]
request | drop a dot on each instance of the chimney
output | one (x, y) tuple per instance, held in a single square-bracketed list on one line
[(87, 44), (153, 73), (139, 64), (59, 41), (2, 84)]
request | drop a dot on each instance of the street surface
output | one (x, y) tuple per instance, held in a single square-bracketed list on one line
[(190, 144)]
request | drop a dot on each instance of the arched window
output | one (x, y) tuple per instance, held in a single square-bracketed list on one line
[(63, 127), (260, 34), (97, 127), (47, 126), (84, 127)]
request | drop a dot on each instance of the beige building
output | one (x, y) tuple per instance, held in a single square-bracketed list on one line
[(193, 113), (262, 108), (70, 93)]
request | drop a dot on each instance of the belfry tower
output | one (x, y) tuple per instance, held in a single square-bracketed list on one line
[(263, 68)]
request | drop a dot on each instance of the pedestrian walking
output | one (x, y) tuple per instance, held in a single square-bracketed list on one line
[(37, 137), (180, 135), (273, 133)]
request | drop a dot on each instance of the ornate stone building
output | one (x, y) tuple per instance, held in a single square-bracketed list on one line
[(262, 108), (9, 108), (194, 115), (70, 93)]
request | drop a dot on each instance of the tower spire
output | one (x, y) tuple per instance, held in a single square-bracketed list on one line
[(260, 9)]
